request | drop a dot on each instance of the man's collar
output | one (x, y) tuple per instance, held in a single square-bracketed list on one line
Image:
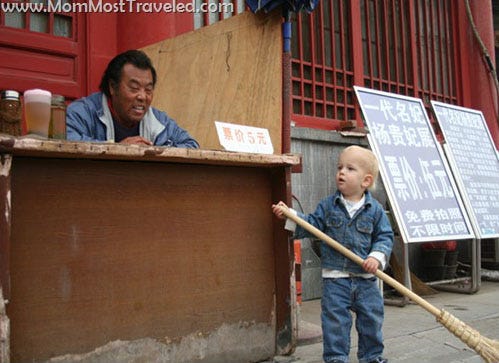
[(111, 108)]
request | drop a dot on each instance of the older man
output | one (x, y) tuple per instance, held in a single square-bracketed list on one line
[(122, 111)]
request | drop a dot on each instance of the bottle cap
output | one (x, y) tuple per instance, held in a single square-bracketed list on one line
[(10, 95), (58, 99)]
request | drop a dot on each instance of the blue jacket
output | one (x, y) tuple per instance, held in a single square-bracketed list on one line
[(369, 230), (89, 119)]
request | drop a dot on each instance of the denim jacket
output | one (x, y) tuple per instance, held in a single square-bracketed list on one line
[(89, 119), (369, 230)]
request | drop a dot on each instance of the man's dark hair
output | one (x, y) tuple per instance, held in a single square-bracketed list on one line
[(113, 71)]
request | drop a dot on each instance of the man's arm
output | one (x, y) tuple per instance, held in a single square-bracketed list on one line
[(173, 135), (79, 121), (182, 138)]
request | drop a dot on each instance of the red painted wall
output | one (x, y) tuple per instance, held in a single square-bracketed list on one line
[(111, 33), (103, 35), (139, 29), (483, 94), (101, 46)]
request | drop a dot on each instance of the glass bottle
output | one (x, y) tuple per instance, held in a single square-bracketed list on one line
[(57, 127), (10, 113)]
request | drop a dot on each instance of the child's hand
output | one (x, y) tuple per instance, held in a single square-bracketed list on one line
[(370, 265), (277, 209)]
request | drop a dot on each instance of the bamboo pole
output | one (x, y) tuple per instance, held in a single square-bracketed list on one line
[(488, 349)]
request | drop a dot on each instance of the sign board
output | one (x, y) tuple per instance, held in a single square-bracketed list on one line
[(473, 159), (243, 138), (422, 192)]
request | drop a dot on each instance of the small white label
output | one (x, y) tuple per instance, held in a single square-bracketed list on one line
[(244, 138)]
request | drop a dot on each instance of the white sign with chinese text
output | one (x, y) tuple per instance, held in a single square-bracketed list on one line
[(243, 138), (416, 175), (474, 160)]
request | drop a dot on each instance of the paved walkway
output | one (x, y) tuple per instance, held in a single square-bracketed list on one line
[(411, 333)]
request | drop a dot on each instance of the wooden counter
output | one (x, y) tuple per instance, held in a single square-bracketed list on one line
[(106, 244)]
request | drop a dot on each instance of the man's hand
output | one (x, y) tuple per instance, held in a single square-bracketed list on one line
[(370, 265), (137, 140)]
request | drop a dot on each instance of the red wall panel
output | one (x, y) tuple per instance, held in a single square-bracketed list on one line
[(32, 59), (483, 92), (141, 28), (111, 33), (101, 46)]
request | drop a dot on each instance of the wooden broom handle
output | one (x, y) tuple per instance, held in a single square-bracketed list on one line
[(352, 256)]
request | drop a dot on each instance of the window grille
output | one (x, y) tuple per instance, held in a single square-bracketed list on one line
[(37, 16), (322, 67), (404, 46), (435, 51), (209, 12), (386, 46)]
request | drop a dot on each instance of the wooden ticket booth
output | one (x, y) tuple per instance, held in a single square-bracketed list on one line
[(174, 252), (117, 253)]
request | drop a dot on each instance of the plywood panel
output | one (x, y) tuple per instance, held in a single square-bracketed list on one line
[(107, 250), (230, 72)]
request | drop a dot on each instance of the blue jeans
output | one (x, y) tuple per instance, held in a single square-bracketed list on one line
[(340, 297)]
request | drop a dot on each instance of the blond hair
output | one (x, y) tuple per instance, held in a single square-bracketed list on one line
[(367, 161)]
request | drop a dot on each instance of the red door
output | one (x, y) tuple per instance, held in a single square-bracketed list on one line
[(42, 47)]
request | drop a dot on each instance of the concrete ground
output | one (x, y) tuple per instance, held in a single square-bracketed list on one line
[(411, 334)]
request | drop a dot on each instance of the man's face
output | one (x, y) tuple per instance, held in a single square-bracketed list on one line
[(132, 97)]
